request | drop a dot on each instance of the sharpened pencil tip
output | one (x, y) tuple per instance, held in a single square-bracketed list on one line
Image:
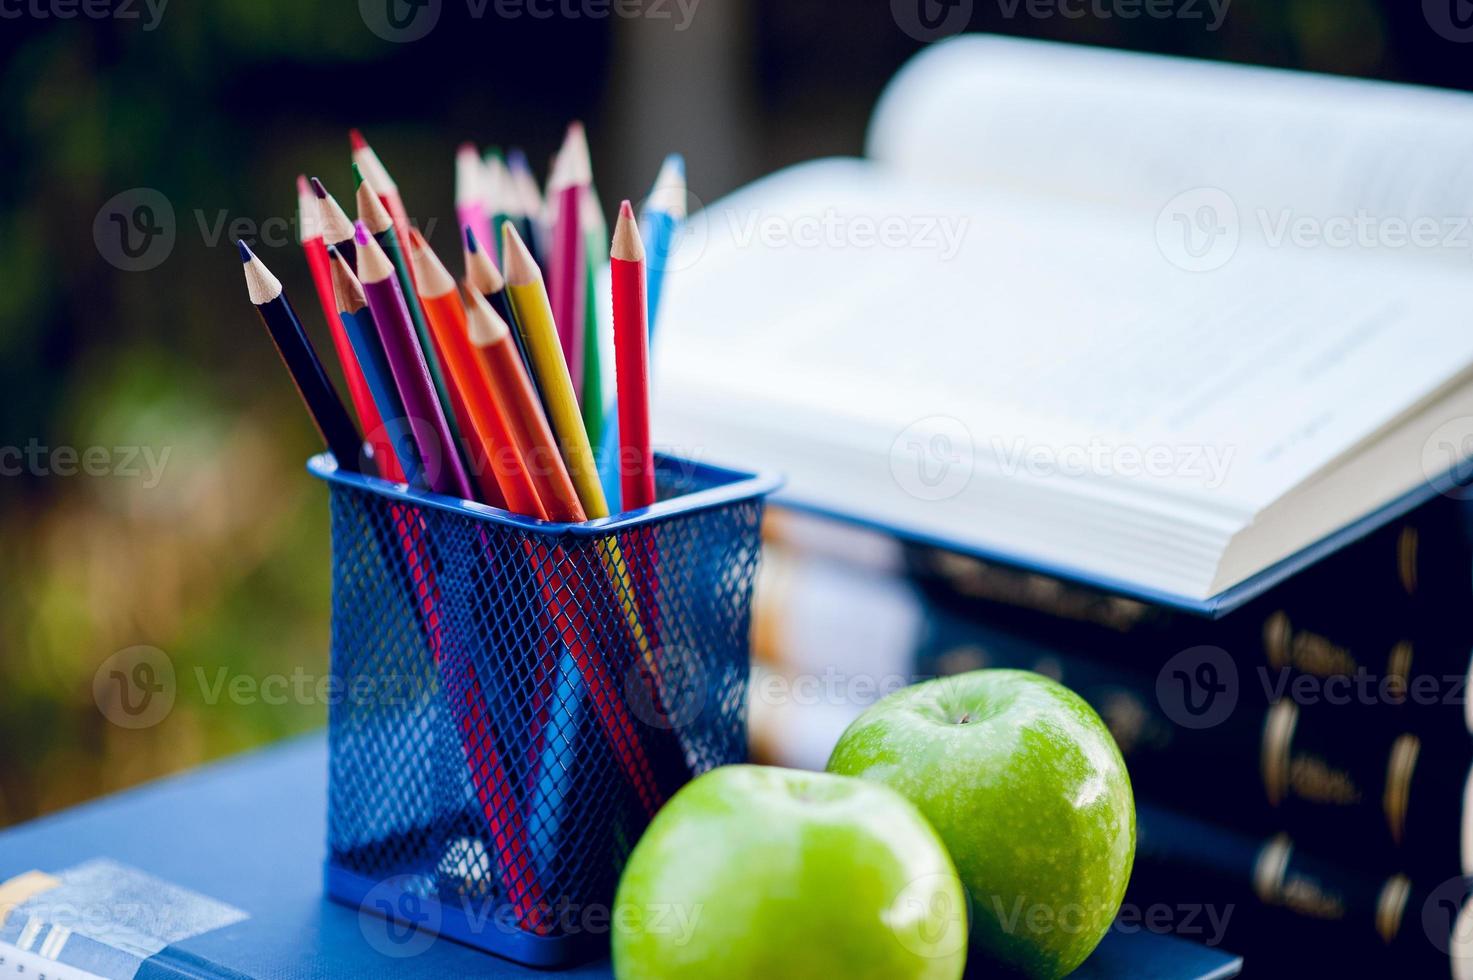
[(318, 189), (357, 175), (332, 251), (302, 186), (626, 210), (470, 241), (355, 137), (360, 233), (245, 250)]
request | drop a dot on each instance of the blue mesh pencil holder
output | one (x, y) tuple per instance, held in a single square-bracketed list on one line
[(514, 699)]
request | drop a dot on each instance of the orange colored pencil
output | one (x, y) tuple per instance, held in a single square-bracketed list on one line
[(446, 318), (512, 389)]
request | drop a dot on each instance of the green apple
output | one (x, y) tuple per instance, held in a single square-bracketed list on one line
[(1027, 789), (757, 872)]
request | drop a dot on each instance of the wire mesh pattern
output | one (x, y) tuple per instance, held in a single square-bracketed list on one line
[(516, 701)]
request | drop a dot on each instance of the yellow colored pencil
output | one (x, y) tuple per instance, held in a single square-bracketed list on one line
[(533, 313)]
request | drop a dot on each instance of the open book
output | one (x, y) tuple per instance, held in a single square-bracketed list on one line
[(1147, 322)]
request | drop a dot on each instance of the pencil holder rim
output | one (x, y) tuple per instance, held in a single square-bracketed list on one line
[(727, 486)]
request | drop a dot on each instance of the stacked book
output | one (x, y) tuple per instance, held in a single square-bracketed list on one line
[(1085, 344), (1301, 765)]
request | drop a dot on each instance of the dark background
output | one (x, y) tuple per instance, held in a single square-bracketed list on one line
[(222, 565)]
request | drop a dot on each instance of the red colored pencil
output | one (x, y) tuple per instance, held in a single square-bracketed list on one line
[(631, 362), (309, 231), (377, 174)]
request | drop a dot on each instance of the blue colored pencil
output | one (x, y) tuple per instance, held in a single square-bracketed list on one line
[(363, 334), (663, 214)]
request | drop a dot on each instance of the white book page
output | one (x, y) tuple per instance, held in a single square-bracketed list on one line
[(1056, 338), (1137, 130)]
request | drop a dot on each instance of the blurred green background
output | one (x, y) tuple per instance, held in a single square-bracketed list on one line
[(220, 560)]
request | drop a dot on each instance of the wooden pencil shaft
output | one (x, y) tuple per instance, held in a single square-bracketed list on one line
[(323, 404)]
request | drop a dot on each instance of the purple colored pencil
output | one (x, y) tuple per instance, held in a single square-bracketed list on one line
[(443, 470)]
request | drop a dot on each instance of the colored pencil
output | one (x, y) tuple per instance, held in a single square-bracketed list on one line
[(309, 228), (528, 199), (368, 162), (444, 472), (499, 197), (323, 403), (664, 212), (567, 277), (471, 209), (357, 322), (487, 280), (337, 227), (533, 312), (375, 217), (631, 362), (445, 318), (596, 346), (512, 390), (448, 318)]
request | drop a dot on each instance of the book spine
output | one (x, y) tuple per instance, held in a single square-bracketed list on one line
[(1285, 908), (1384, 797)]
